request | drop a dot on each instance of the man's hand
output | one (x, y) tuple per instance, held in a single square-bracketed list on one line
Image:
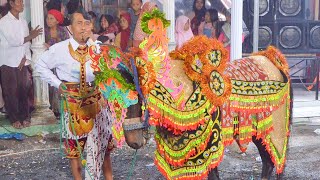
[(36, 32), (33, 34), (62, 88), (22, 63)]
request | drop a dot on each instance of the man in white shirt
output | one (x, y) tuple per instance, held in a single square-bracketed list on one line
[(15, 59), (84, 119)]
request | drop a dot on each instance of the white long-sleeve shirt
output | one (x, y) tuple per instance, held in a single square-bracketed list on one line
[(67, 68), (12, 46)]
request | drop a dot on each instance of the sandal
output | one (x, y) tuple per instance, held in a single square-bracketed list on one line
[(26, 123), (17, 125)]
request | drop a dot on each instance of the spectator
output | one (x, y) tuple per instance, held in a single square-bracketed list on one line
[(134, 13), (199, 11), (58, 5), (94, 22), (139, 35), (210, 26), (122, 38), (108, 26), (225, 35), (54, 34), (15, 57), (183, 31)]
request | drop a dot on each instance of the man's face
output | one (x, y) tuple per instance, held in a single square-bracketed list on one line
[(17, 5), (81, 28)]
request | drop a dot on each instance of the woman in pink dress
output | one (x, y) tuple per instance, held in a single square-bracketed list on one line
[(183, 31)]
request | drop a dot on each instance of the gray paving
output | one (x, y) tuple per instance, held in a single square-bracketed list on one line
[(306, 109)]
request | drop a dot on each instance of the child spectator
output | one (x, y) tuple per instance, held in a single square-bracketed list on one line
[(122, 38), (225, 35), (108, 26), (134, 12), (94, 21), (183, 31), (199, 9), (210, 25)]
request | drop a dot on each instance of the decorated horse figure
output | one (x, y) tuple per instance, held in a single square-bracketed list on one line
[(115, 81), (199, 103)]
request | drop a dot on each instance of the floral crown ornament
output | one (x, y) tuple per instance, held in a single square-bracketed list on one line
[(155, 14)]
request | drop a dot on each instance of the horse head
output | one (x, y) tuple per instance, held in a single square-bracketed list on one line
[(116, 84)]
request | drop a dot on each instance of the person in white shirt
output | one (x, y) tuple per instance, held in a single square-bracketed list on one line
[(85, 119), (15, 59)]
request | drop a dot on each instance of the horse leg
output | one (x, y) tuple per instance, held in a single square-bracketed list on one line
[(267, 164), (214, 174)]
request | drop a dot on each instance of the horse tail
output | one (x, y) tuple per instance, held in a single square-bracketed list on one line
[(291, 104)]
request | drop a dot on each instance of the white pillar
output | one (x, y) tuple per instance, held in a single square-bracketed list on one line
[(236, 29), (256, 26), (40, 87), (169, 10)]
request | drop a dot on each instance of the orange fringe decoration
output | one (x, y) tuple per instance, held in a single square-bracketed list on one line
[(202, 46), (191, 153), (201, 176)]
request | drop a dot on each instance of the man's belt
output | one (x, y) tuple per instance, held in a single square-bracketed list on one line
[(82, 106)]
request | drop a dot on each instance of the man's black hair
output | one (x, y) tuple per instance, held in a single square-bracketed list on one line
[(3, 10), (85, 16), (8, 6)]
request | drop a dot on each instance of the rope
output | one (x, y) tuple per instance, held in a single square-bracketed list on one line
[(133, 163), (138, 88)]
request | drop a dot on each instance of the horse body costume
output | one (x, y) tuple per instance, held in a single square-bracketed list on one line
[(199, 103)]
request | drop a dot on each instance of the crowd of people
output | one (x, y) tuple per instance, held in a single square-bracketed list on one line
[(122, 30), (64, 31)]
